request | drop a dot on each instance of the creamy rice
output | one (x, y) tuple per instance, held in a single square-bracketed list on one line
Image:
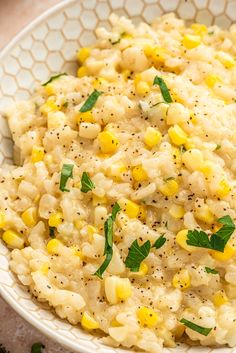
[(170, 165)]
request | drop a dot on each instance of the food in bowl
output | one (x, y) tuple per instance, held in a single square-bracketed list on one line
[(121, 211)]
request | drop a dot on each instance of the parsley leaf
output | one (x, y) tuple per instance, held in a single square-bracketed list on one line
[(86, 183), (90, 101), (136, 255), (211, 270), (108, 249), (37, 347), (202, 330), (217, 241), (52, 232), (164, 89), (66, 173), (218, 146), (52, 78), (159, 242)]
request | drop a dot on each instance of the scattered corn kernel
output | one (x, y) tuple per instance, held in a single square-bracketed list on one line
[(83, 54), (116, 170), (199, 29), (139, 173), (181, 279), (142, 215), (37, 154), (123, 289), (79, 224), (86, 117), (189, 145), (229, 251), (55, 219), (177, 135), (152, 137), (158, 55), (109, 143), (117, 289), (126, 74), (29, 216), (177, 211), (76, 251), (169, 187), (88, 322), (142, 87), (147, 317), (211, 80), (13, 239), (48, 107), (220, 298), (98, 82), (181, 240), (207, 168), (193, 159), (223, 189), (50, 89), (143, 270), (2, 219), (99, 200), (44, 268), (129, 207), (204, 214), (82, 71), (191, 41), (226, 59), (53, 246)]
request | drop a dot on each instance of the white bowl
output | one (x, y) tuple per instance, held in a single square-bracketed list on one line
[(48, 45)]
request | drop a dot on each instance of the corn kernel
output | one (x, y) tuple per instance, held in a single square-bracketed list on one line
[(220, 298), (191, 41), (177, 156), (2, 219), (181, 279), (179, 331), (55, 219), (123, 289), (207, 168), (48, 107), (56, 119), (86, 117), (152, 137), (53, 246), (82, 71), (143, 270), (44, 268), (115, 323), (142, 215), (177, 135), (181, 240), (148, 49), (37, 154), (98, 82), (139, 173), (50, 89), (142, 87), (117, 289), (158, 55), (126, 74), (169, 188), (226, 59), (193, 159), (189, 145), (99, 200), (29, 216), (223, 189), (129, 207), (116, 170), (211, 80), (204, 214), (109, 143), (177, 211), (127, 36), (83, 54), (199, 29), (76, 251), (79, 224), (88, 322), (13, 239), (229, 251), (147, 317)]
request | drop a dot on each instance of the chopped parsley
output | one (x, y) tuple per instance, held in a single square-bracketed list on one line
[(37, 347), (66, 173), (217, 241), (164, 89), (159, 242), (210, 33), (90, 101), (86, 183), (182, 149), (52, 78), (200, 329), (52, 232), (211, 270), (65, 105), (108, 249), (217, 147)]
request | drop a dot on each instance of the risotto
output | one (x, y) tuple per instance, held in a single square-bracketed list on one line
[(120, 209)]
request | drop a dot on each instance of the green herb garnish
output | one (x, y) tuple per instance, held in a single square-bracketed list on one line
[(65, 105), (182, 149), (52, 78), (159, 242), (108, 249), (202, 330), (90, 101), (170, 178), (211, 270), (86, 183), (66, 173), (210, 33), (37, 347), (217, 147), (217, 241), (52, 232), (164, 89)]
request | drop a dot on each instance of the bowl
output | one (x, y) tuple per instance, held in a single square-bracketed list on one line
[(48, 45)]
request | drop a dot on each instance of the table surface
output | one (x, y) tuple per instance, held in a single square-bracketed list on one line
[(16, 335)]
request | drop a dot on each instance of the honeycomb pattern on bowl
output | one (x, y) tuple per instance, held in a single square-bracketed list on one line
[(49, 46)]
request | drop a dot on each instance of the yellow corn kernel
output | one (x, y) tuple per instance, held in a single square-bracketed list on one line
[(211, 80), (179, 331), (99, 200), (191, 41), (226, 59), (223, 189), (82, 71), (199, 29), (204, 214), (143, 270), (53, 246), (37, 154), (207, 168), (229, 251), (129, 207), (142, 87), (123, 289), (13, 239), (50, 89), (177, 135), (115, 323), (139, 173), (44, 268), (88, 322), (2, 219), (193, 117), (55, 219), (108, 142), (148, 49), (177, 211), (127, 36), (220, 298), (193, 159), (189, 145), (76, 251), (91, 230), (147, 317), (48, 107), (158, 55), (98, 82), (116, 170), (181, 279), (86, 117), (177, 156), (83, 54), (79, 224), (126, 74), (29, 216), (142, 215), (152, 137), (169, 188), (181, 240)]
